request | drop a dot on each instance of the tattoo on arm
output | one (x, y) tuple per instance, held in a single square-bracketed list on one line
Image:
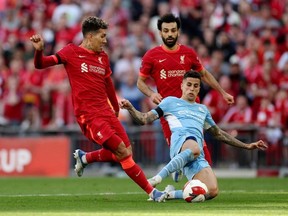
[(142, 118), (224, 137)]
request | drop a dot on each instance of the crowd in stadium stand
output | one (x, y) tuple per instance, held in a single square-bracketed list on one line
[(243, 43)]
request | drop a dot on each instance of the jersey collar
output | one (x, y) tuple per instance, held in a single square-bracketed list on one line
[(171, 51)]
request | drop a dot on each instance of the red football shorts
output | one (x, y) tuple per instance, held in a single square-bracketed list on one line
[(100, 129)]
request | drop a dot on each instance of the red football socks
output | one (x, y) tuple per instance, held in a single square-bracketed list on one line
[(101, 155)]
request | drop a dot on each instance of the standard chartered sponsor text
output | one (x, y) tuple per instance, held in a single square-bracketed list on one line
[(174, 73)]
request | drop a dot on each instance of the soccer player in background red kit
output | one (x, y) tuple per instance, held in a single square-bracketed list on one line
[(166, 65), (89, 72)]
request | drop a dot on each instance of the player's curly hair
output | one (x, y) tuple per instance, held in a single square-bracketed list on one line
[(92, 24), (168, 18)]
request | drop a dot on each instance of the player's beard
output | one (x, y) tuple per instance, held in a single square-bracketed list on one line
[(170, 44)]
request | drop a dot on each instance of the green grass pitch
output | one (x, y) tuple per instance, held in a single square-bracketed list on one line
[(120, 196)]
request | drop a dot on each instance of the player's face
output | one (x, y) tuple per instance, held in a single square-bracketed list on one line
[(190, 89), (98, 40), (169, 34)]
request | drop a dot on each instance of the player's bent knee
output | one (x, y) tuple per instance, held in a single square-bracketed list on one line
[(122, 151), (196, 154)]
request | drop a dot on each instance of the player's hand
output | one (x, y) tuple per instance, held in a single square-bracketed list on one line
[(156, 98), (37, 42), (125, 104), (228, 98), (258, 145)]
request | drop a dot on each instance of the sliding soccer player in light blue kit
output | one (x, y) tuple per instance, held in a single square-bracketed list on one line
[(187, 120)]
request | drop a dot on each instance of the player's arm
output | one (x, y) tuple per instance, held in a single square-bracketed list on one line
[(41, 61), (110, 89), (226, 138), (211, 81), (140, 117), (146, 90)]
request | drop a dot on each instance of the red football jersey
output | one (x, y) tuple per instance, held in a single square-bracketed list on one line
[(87, 72), (168, 67)]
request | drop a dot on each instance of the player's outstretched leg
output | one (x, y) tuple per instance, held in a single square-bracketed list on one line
[(176, 163), (80, 165)]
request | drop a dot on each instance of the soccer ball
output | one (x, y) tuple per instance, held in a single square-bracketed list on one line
[(194, 190)]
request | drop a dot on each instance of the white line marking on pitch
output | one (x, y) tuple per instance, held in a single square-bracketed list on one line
[(129, 193), (64, 194)]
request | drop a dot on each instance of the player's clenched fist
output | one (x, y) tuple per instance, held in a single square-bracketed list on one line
[(37, 42), (125, 104)]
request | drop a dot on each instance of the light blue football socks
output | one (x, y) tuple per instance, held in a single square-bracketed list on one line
[(178, 162)]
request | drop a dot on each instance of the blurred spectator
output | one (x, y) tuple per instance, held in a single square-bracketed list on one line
[(129, 90), (270, 130), (32, 84), (217, 65), (217, 107), (283, 77), (203, 54), (4, 71), (234, 121), (224, 44), (265, 113), (237, 78), (69, 10), (265, 83), (92, 7), (281, 106), (138, 39), (190, 14), (282, 61), (240, 113), (25, 30), (63, 109), (209, 39), (217, 17), (130, 62), (63, 32), (12, 101), (11, 21), (55, 86), (215, 102), (115, 14), (162, 8)]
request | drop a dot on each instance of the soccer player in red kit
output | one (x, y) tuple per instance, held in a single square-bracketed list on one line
[(166, 65), (89, 72)]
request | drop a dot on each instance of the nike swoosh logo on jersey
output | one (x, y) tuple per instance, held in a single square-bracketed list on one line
[(81, 56), (162, 60)]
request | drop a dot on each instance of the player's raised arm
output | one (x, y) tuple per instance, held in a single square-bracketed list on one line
[(139, 117), (226, 138), (41, 61)]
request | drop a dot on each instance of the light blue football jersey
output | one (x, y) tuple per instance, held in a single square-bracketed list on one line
[(185, 119)]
